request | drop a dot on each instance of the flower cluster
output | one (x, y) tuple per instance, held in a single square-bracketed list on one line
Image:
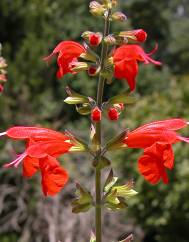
[(123, 62), (3, 72), (43, 147), (120, 56)]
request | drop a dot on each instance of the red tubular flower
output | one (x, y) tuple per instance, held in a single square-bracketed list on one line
[(125, 60), (96, 114), (159, 131), (68, 51), (43, 147), (154, 162)]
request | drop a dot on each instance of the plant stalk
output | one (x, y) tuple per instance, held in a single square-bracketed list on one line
[(100, 90)]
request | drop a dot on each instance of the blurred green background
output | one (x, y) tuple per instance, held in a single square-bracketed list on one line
[(29, 30)]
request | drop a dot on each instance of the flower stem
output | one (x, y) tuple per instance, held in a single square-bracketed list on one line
[(100, 90)]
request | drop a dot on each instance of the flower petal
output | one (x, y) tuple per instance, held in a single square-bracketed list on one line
[(54, 177)]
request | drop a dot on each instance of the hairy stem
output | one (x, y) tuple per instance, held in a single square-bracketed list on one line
[(101, 82)]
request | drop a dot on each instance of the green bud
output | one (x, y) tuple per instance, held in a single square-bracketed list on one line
[(119, 16), (74, 97), (96, 8), (110, 40)]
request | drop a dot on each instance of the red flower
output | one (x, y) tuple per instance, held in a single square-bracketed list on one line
[(96, 114), (43, 147), (154, 162), (68, 51), (159, 131), (125, 59)]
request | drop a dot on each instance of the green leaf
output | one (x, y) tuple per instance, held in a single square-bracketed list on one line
[(122, 98)]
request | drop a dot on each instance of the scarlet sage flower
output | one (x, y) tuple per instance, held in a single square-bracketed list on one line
[(126, 58), (42, 148), (68, 51), (159, 131), (154, 162)]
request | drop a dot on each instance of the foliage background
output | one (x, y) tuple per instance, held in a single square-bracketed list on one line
[(28, 31)]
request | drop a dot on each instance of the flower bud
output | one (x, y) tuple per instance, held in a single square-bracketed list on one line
[(113, 114), (96, 114), (95, 39), (85, 35), (96, 8), (93, 70), (119, 106), (137, 35), (141, 35), (110, 40), (119, 16)]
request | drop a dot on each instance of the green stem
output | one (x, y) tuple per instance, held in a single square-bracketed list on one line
[(101, 82)]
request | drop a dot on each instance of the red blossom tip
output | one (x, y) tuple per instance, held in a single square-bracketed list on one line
[(141, 35), (95, 39), (96, 114), (113, 114)]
